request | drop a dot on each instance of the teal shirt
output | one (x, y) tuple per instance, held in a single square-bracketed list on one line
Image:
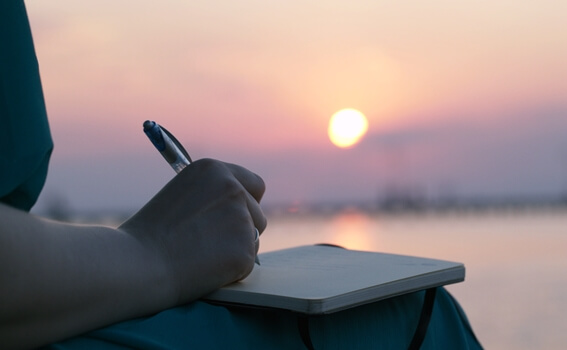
[(25, 139), (25, 147), (388, 324)]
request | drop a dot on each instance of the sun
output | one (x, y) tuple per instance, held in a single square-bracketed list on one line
[(347, 127)]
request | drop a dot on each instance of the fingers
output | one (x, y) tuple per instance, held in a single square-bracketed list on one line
[(258, 217), (251, 182), (253, 185)]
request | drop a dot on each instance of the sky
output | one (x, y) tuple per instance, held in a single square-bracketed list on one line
[(463, 98)]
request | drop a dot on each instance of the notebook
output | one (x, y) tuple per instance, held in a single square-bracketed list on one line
[(322, 279)]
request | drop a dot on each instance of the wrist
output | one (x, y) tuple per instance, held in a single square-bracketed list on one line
[(156, 280)]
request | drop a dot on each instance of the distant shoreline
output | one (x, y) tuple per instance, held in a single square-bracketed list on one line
[(389, 207)]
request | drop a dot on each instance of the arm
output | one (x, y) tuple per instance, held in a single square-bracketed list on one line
[(58, 280)]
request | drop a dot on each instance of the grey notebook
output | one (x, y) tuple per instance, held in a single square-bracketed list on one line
[(319, 279)]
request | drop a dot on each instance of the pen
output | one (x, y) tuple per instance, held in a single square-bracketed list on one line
[(172, 151)]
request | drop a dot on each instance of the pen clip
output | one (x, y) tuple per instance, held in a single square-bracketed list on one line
[(177, 143)]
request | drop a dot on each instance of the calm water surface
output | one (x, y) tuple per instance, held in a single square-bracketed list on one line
[(515, 291)]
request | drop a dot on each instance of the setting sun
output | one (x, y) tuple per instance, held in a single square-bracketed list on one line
[(347, 127)]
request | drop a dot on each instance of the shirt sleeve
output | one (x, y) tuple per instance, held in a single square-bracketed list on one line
[(25, 138)]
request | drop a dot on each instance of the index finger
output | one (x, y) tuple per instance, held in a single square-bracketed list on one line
[(252, 182)]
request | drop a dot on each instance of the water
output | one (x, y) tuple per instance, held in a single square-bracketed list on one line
[(515, 291)]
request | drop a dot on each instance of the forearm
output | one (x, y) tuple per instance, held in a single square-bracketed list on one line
[(59, 280)]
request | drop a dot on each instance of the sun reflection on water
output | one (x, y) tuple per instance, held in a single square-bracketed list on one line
[(353, 230)]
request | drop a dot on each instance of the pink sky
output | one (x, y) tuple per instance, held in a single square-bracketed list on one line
[(468, 96)]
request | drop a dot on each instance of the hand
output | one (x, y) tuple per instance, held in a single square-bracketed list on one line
[(196, 235), (202, 225)]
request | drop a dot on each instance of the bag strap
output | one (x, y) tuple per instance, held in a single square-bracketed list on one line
[(424, 318), (418, 336)]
